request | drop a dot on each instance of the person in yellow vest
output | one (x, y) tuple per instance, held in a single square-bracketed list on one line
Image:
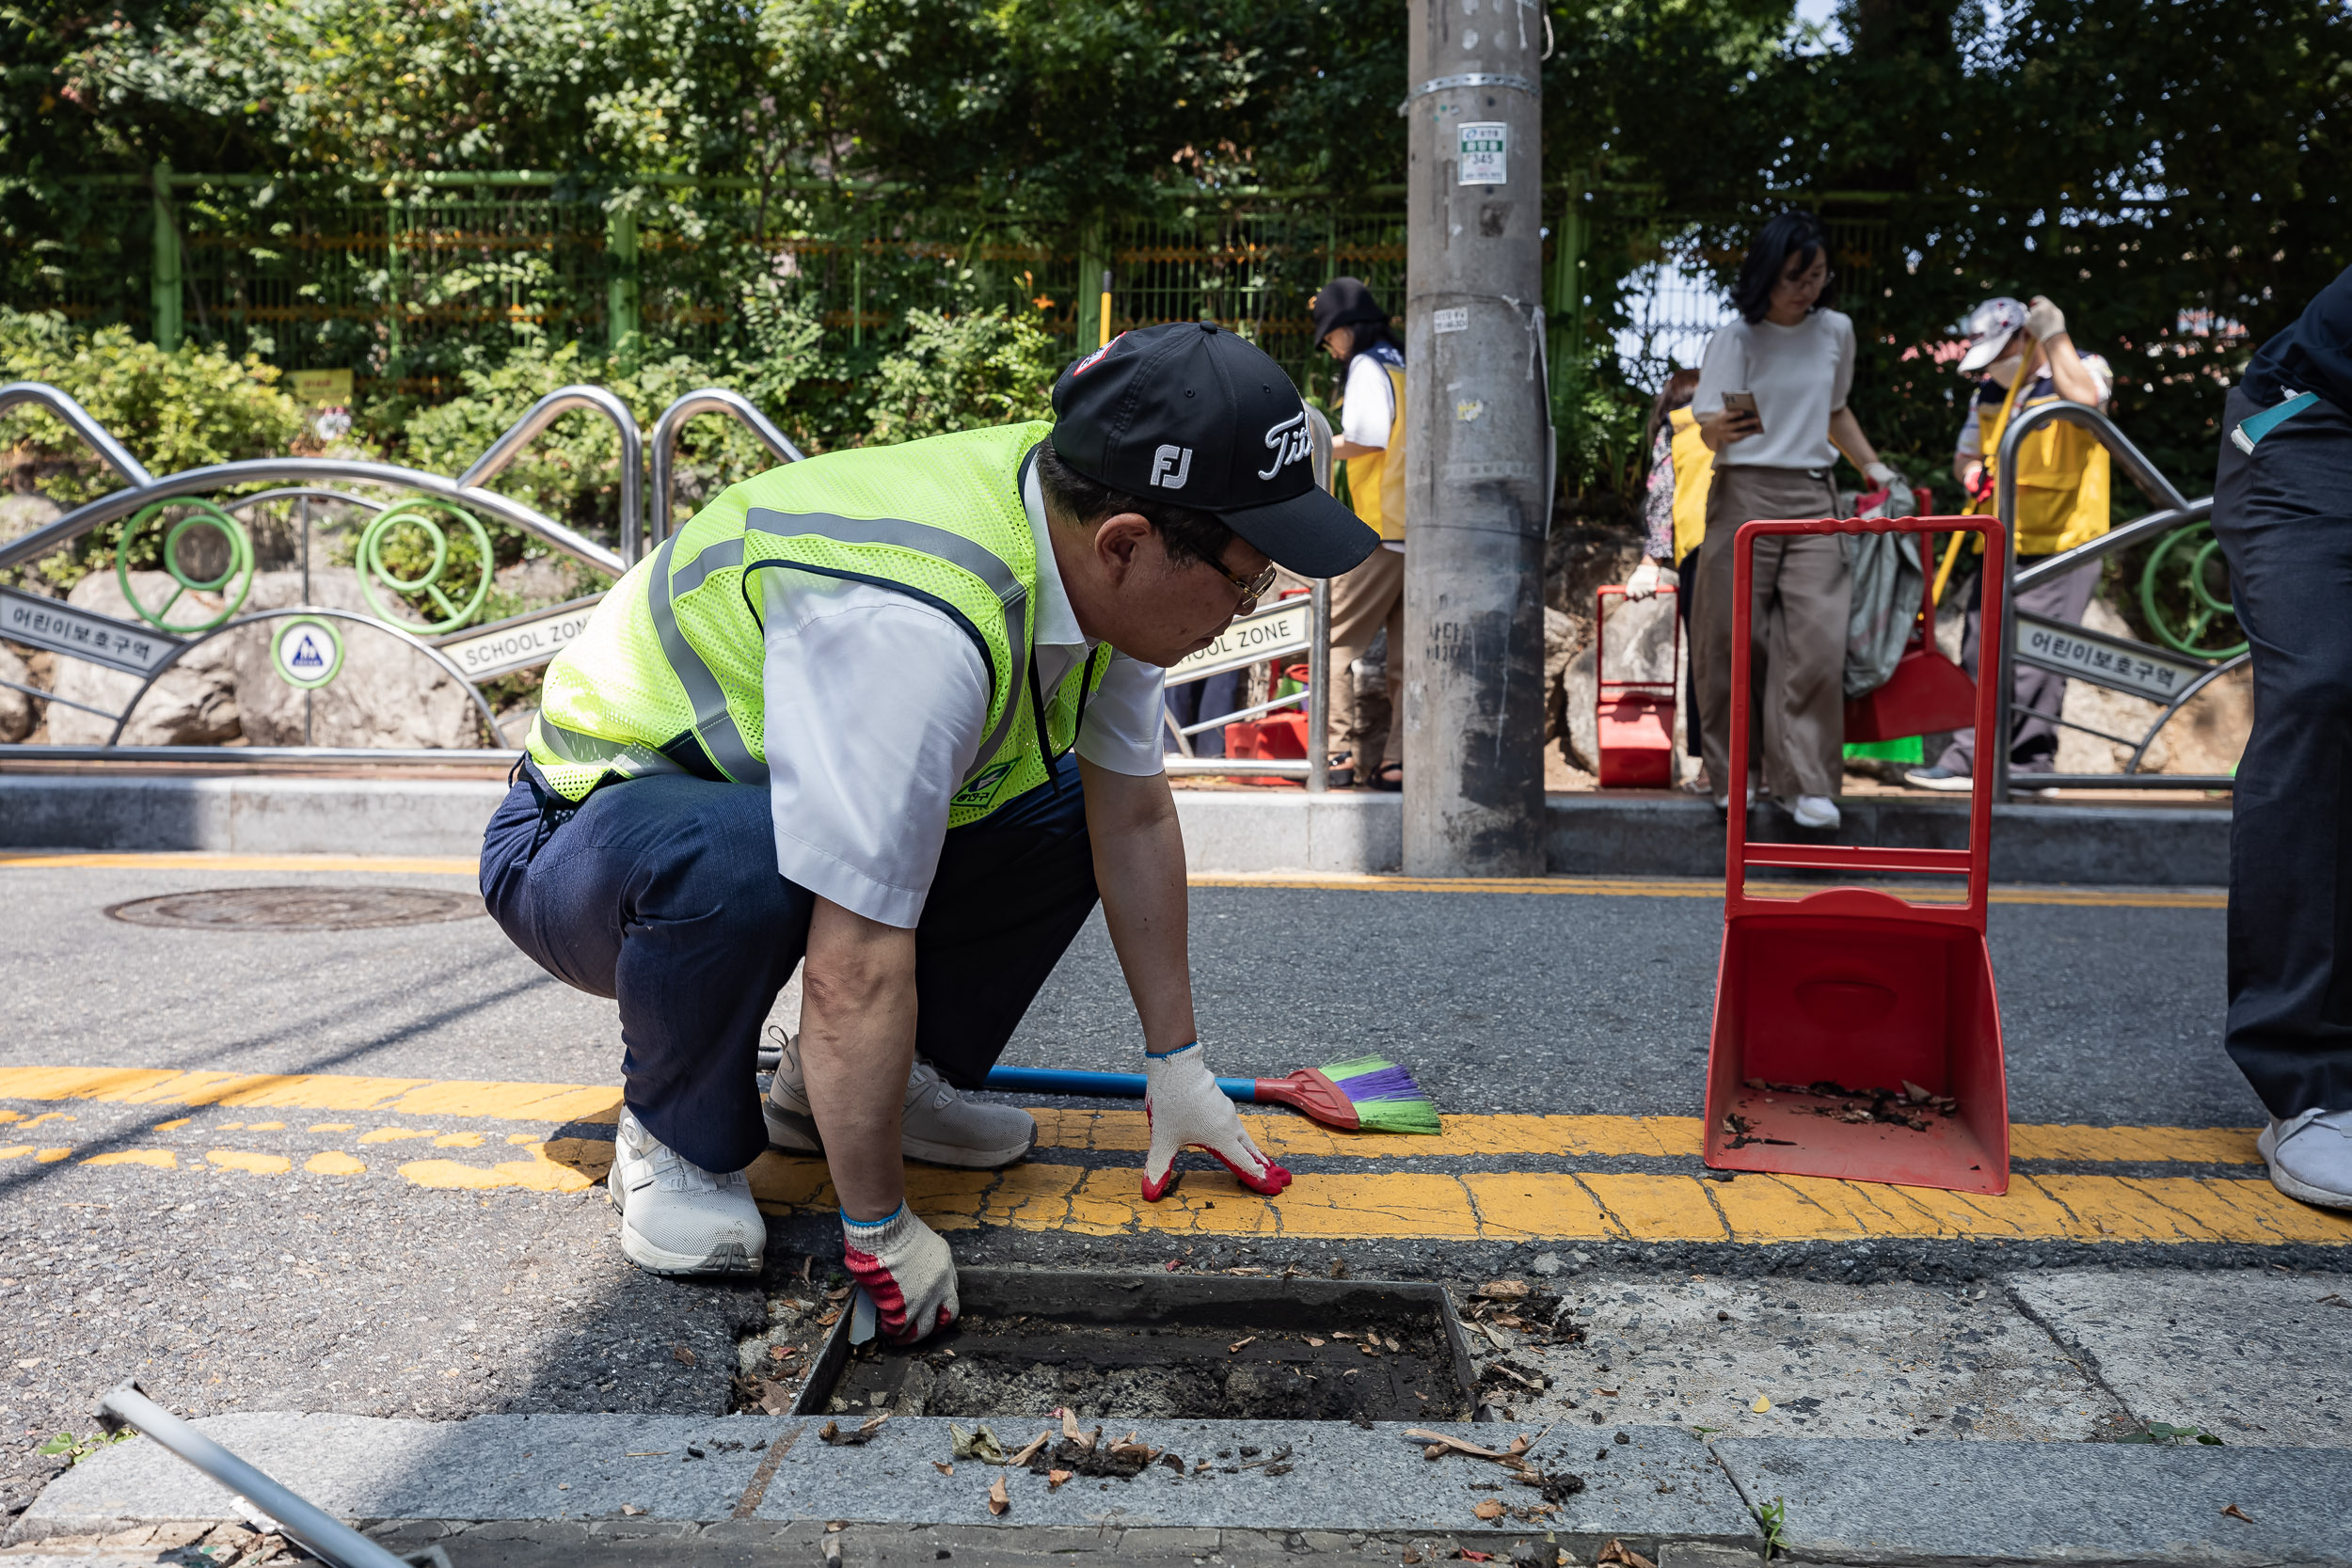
[(1674, 516), (2061, 502), (1351, 326), (896, 711)]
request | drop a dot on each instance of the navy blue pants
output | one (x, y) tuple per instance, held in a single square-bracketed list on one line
[(2284, 519), (663, 894)]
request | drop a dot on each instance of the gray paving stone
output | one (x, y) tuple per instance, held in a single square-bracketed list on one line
[(2049, 1502), (1661, 1481), (2250, 1355)]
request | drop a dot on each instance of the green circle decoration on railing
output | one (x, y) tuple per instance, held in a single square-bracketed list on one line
[(201, 514), (433, 518), (2187, 634)]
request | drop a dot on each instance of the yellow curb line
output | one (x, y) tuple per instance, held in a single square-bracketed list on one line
[(1118, 1131), (1495, 1206), (1605, 887)]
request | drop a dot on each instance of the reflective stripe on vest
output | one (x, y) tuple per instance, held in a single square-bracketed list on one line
[(713, 724), (954, 548)]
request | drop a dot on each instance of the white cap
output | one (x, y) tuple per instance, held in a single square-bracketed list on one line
[(1990, 326)]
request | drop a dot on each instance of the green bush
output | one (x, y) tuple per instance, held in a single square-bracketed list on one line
[(173, 411), (954, 372)]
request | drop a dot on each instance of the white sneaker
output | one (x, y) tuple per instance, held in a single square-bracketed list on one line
[(677, 1217), (1723, 803), (2310, 1157), (1815, 811), (938, 1125)]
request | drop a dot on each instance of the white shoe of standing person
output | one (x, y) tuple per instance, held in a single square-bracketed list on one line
[(677, 1217), (2310, 1157), (1815, 811), (939, 1126)]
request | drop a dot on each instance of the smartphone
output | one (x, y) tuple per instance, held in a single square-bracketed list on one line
[(1746, 404)]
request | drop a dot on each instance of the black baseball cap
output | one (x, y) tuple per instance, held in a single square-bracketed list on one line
[(1189, 413)]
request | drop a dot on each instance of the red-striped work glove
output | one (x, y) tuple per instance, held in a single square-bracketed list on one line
[(908, 1271), (1184, 1106)]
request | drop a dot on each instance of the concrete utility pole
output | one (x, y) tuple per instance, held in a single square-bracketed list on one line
[(1478, 438)]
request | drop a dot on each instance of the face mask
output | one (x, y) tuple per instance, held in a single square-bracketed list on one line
[(2003, 371)]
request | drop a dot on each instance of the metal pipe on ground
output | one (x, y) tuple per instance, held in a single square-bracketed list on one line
[(1478, 437), (329, 1537)]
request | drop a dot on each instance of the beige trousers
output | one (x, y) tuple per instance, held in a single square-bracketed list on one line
[(1363, 601), (1796, 670)]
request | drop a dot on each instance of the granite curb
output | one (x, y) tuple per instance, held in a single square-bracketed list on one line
[(2106, 843)]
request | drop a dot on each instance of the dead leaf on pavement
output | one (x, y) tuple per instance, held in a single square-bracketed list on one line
[(2234, 1513), (1234, 1349), (1055, 1478), (682, 1355), (1029, 1452), (775, 1399), (943, 1470), (1504, 1289), (1440, 1444), (997, 1501), (832, 1433), (1312, 1340), (980, 1444), (830, 1318), (631, 1509), (1619, 1552), (784, 1352), (1490, 1509)]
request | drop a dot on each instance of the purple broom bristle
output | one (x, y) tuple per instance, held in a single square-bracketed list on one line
[(1387, 1083)]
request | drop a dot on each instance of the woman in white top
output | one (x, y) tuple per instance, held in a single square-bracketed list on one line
[(1786, 365)]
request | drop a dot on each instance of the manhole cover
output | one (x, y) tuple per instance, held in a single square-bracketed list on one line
[(299, 908)]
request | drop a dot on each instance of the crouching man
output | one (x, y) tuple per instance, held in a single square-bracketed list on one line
[(896, 711)]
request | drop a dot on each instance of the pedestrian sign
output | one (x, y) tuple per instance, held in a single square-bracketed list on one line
[(306, 652)]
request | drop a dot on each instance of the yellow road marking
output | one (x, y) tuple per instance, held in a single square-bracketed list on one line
[(1514, 1206), (1115, 1131), (1607, 887), (1678, 887), (453, 865)]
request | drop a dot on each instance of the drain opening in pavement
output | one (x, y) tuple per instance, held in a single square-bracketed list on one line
[(298, 909), (1113, 1347)]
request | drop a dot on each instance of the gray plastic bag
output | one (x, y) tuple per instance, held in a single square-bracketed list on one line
[(1887, 583)]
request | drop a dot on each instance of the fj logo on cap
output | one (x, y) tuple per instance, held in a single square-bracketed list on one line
[(1171, 466), (1288, 442)]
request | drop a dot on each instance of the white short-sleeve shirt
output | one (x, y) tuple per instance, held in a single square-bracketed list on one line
[(877, 706)]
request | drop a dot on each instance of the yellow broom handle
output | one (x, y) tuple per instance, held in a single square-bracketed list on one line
[(1106, 312), (2025, 363)]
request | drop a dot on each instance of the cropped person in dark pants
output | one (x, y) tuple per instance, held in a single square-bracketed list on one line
[(2282, 509)]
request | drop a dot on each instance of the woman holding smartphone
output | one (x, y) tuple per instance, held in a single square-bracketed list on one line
[(1772, 406)]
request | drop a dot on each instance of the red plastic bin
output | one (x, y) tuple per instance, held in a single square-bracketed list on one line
[(1634, 721), (1853, 985)]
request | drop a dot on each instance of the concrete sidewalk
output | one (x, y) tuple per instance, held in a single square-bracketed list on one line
[(1662, 1490), (2162, 843)]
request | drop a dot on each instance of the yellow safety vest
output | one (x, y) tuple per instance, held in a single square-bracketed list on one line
[(1694, 468), (2061, 481), (666, 678), (1376, 482)]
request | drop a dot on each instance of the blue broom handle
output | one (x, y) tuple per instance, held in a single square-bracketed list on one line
[(1122, 1085)]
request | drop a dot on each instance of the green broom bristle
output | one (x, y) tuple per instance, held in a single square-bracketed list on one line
[(1386, 1097)]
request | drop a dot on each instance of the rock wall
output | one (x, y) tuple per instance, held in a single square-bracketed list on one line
[(226, 689)]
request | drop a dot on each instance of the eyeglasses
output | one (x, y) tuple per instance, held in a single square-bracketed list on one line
[(1252, 589)]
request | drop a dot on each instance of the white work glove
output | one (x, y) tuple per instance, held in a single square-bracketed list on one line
[(2044, 320), (1644, 582), (908, 1271), (1184, 1106)]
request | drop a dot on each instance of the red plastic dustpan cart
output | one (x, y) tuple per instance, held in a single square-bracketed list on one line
[(1853, 990), (1634, 721)]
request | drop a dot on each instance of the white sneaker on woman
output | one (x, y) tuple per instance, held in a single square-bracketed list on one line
[(1815, 811), (2310, 1157), (938, 1126), (677, 1217)]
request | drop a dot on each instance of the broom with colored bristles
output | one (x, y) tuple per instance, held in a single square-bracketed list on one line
[(1369, 1094)]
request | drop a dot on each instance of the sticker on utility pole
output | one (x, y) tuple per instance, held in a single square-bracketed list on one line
[(306, 652), (1486, 153), (1453, 318)]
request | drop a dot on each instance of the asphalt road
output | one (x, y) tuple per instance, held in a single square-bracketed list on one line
[(226, 1291)]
